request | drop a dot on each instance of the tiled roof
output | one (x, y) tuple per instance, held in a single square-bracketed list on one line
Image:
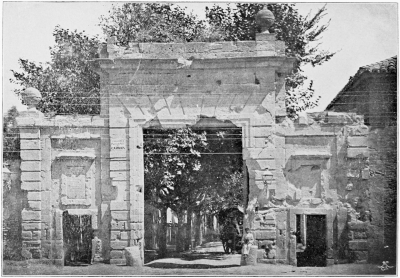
[(385, 66)]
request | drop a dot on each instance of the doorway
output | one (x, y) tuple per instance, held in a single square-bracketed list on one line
[(77, 235), (311, 240)]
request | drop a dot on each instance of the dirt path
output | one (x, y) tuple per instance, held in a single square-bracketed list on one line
[(205, 264)]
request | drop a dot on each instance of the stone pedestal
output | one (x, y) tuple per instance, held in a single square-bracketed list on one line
[(133, 256), (251, 258)]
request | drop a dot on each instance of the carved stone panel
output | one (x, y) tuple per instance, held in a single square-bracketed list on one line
[(77, 180)]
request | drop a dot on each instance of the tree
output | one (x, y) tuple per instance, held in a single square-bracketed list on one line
[(151, 22), (299, 33), (171, 162), (192, 171), (11, 146), (67, 83)]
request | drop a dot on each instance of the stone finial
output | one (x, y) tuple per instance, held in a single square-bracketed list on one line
[(31, 97), (265, 18)]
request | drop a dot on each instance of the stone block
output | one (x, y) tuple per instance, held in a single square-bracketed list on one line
[(31, 244), (30, 155), (265, 235), (27, 226), (116, 254), (359, 235), (357, 152), (114, 235), (34, 196), (265, 38), (31, 185), (119, 205), (58, 250), (28, 215), (292, 251), (30, 176), (358, 130), (119, 175), (133, 256), (120, 215), (267, 164), (119, 165), (118, 153), (26, 235), (358, 226), (30, 166), (264, 120), (119, 225), (365, 174), (259, 153), (358, 245), (124, 236), (118, 244), (339, 118), (118, 261), (330, 262), (357, 141), (29, 133), (360, 255), (35, 205), (30, 145), (59, 234), (36, 235), (260, 142)]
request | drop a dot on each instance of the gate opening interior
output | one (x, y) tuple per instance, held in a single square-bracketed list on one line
[(311, 240), (198, 169), (77, 234)]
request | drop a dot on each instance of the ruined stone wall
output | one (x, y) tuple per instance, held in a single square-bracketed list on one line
[(374, 95), (60, 170)]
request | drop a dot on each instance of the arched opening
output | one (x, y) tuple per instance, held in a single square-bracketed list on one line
[(191, 175)]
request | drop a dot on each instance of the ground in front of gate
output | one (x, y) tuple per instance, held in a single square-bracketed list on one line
[(197, 264)]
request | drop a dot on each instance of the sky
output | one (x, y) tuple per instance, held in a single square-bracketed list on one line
[(360, 33)]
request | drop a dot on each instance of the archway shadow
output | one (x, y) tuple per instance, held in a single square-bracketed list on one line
[(194, 260), (188, 266)]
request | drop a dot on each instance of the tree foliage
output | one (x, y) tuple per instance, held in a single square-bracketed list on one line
[(171, 162), (151, 22), (11, 139), (191, 170), (67, 83)]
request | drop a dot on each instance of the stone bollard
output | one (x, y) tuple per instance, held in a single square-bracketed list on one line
[(251, 258), (133, 256)]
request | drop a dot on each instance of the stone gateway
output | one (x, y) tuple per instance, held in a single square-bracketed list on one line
[(299, 173)]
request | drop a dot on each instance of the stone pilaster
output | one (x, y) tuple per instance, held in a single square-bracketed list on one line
[(31, 182), (119, 178), (136, 190)]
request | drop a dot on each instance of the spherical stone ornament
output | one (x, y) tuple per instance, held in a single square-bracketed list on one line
[(265, 18), (31, 97)]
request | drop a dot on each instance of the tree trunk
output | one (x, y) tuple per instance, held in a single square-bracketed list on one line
[(162, 234), (188, 229), (180, 243)]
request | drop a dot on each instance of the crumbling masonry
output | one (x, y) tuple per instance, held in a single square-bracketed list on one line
[(93, 165)]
